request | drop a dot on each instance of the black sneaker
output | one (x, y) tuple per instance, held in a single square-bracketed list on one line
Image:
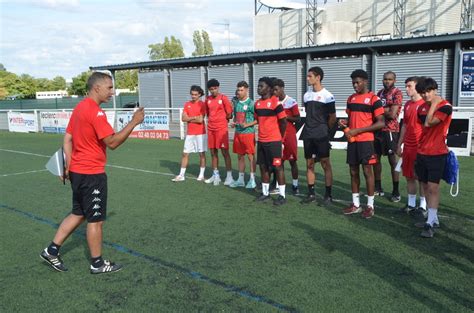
[(263, 198), (53, 260), (419, 214), (107, 267), (295, 190), (309, 199), (327, 200), (379, 192), (395, 197), (279, 201), (428, 231), (422, 225), (407, 209)]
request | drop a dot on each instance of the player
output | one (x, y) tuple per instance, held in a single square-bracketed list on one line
[(320, 107), (196, 141), (271, 119), (365, 113), (219, 112), (290, 142), (386, 140), (244, 136)]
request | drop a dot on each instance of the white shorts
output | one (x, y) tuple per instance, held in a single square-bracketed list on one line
[(195, 143)]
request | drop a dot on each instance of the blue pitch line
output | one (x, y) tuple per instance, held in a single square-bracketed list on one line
[(160, 262)]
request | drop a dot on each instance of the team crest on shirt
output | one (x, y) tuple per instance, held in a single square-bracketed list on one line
[(220, 101), (245, 107), (353, 99), (366, 100), (269, 104), (208, 101)]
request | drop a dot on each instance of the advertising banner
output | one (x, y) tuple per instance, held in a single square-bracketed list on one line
[(467, 74), (155, 126), (54, 122), (22, 122)]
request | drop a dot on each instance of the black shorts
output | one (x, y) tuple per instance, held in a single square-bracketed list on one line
[(89, 196), (361, 153), (386, 142), (269, 153), (430, 168), (316, 148)]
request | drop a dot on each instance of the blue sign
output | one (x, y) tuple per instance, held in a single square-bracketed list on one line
[(467, 74)]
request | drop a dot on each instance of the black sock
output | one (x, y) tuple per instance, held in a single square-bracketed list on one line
[(97, 262), (53, 248), (311, 190), (378, 184), (328, 191), (395, 188)]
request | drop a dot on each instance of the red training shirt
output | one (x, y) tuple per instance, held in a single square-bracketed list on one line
[(216, 110), (88, 126), (291, 109), (433, 139), (413, 127), (393, 96), (267, 113), (195, 109), (362, 110)]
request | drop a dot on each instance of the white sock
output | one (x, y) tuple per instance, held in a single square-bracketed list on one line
[(423, 203), (356, 199), (281, 190), (229, 174), (252, 176), (241, 177), (432, 216), (216, 172), (411, 200), (201, 171), (265, 188), (295, 182), (370, 201), (182, 171)]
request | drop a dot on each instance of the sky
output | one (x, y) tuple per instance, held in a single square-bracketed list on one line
[(48, 38)]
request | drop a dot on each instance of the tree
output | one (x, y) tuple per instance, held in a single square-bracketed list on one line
[(28, 86), (202, 43), (79, 84), (58, 83), (170, 48), (2, 68), (127, 79)]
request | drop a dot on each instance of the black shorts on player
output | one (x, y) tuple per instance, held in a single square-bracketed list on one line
[(269, 153), (430, 168), (361, 153), (316, 148), (89, 196), (385, 143)]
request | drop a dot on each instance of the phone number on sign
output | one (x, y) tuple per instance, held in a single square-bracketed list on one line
[(160, 135)]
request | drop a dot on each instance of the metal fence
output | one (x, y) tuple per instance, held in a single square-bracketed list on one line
[(59, 103)]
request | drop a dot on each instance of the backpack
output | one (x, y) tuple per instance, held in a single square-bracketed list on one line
[(451, 172)]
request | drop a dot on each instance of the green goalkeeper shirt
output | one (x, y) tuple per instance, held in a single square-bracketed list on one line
[(244, 112)]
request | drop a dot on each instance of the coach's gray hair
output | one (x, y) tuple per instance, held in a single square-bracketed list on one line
[(96, 77)]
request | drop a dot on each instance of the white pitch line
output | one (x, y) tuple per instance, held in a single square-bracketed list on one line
[(109, 165), (27, 153), (21, 173)]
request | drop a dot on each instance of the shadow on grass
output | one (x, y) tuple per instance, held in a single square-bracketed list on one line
[(437, 248), (391, 271)]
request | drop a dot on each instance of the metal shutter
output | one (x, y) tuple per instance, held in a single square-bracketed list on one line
[(228, 77), (181, 80), (291, 72), (153, 87), (337, 72), (433, 64)]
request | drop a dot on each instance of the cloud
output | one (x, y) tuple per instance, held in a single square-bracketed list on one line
[(65, 5)]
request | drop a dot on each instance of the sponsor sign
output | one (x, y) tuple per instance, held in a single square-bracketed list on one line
[(22, 122), (467, 74), (155, 125)]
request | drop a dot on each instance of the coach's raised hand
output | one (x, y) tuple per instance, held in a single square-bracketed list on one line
[(138, 116)]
